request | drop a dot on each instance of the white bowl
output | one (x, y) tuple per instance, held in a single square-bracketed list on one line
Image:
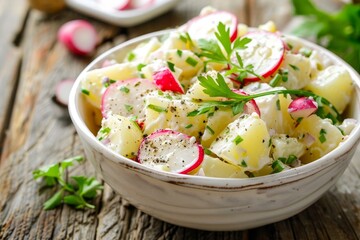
[(214, 203)]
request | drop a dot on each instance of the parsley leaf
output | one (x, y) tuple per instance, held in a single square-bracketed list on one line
[(72, 194)]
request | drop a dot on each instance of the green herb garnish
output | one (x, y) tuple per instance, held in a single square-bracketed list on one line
[(238, 140), (157, 108), (76, 194)]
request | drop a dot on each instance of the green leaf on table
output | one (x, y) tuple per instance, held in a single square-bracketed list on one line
[(54, 201)]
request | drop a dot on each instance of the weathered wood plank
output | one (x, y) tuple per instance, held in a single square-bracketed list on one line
[(41, 133), (13, 12)]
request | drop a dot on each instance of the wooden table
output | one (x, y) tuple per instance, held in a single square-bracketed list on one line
[(34, 131)]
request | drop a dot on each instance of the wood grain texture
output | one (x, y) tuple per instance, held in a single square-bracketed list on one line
[(41, 132)]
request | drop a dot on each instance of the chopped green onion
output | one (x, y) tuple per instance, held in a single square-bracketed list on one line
[(306, 52), (191, 61), (243, 163), (179, 52), (86, 92), (237, 140), (275, 81), (296, 68), (129, 108), (188, 126), (140, 66), (131, 56), (322, 137), (124, 89), (277, 166), (171, 66), (157, 108), (210, 130)]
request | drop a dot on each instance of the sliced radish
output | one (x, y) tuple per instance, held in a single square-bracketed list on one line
[(302, 107), (141, 3), (126, 98), (175, 151), (79, 36), (265, 53), (115, 4), (205, 26), (62, 91), (166, 80), (251, 106)]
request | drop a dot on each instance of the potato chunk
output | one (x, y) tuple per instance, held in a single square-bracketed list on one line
[(333, 83), (121, 135), (319, 136), (244, 143)]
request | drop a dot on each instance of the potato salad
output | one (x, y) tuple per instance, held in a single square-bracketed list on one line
[(216, 98)]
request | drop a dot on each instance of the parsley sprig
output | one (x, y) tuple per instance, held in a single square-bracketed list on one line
[(217, 87), (76, 193), (222, 51), (226, 52)]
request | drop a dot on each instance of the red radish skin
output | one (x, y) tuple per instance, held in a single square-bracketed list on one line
[(251, 106), (134, 4), (265, 52), (62, 91), (180, 152), (126, 98), (166, 81), (115, 4), (205, 26), (302, 107), (78, 36)]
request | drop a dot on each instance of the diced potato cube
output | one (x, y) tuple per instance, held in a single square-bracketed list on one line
[(283, 146), (333, 83), (319, 136), (298, 70), (214, 167), (244, 143), (186, 60), (273, 108), (121, 135), (162, 112), (141, 53), (216, 124)]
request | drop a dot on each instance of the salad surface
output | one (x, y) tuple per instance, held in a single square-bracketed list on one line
[(216, 98)]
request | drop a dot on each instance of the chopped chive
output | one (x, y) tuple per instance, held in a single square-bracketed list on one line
[(210, 130), (171, 66), (179, 52), (299, 119), (306, 52), (85, 91), (278, 106), (183, 38), (243, 163), (157, 108), (289, 160), (191, 61), (188, 126), (160, 93), (124, 89), (290, 46), (105, 130), (275, 81), (237, 140), (140, 66), (129, 108), (131, 56), (133, 118), (207, 151), (277, 166), (284, 74), (322, 137), (296, 68)]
